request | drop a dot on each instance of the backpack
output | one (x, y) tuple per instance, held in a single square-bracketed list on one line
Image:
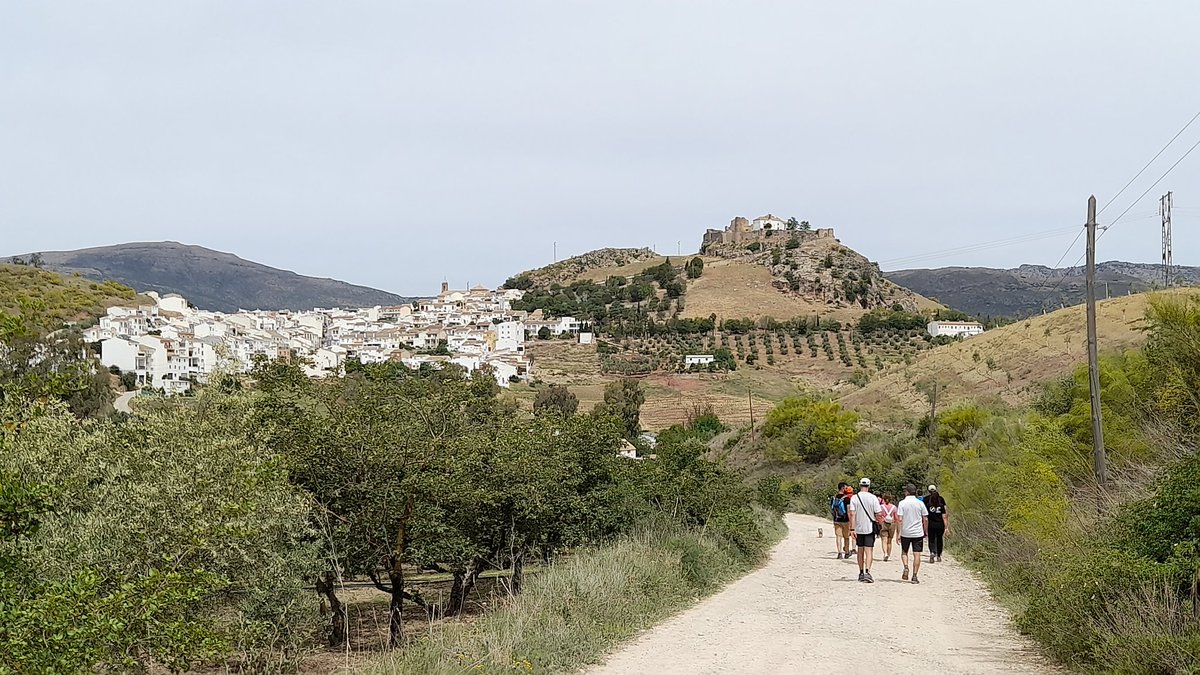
[(838, 508)]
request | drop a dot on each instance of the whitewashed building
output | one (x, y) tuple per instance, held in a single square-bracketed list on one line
[(954, 328)]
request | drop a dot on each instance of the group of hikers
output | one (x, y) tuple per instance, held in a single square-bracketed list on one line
[(861, 518)]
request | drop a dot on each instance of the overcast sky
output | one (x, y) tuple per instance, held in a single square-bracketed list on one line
[(395, 144)]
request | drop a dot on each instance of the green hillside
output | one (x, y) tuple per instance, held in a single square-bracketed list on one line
[(49, 300)]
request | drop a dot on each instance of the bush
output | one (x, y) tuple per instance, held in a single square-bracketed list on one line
[(807, 430), (164, 538)]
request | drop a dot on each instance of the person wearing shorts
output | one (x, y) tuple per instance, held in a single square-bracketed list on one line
[(841, 520), (913, 519), (888, 527), (865, 511)]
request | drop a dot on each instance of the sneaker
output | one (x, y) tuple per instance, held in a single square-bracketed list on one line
[(916, 580), (862, 576), (885, 558), (905, 575), (839, 555), (870, 579)]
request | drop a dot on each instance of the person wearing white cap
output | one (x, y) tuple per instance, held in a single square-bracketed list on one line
[(865, 511), (939, 523)]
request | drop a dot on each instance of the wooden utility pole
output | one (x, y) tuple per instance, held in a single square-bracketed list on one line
[(750, 397), (1093, 365), (933, 415)]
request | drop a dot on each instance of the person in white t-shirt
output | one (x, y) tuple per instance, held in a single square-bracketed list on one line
[(914, 525), (865, 512)]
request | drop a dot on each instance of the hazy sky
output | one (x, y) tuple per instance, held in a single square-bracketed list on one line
[(396, 143)]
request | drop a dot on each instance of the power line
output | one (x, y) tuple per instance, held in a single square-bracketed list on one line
[(970, 248), (1147, 166), (1126, 187)]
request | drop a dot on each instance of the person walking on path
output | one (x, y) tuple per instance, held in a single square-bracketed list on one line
[(939, 523), (914, 524), (839, 509), (887, 529), (865, 512)]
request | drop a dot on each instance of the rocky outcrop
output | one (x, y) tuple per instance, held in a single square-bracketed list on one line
[(566, 271), (816, 266)]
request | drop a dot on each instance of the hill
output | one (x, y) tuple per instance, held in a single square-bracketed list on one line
[(1029, 289), (1004, 364), (51, 300), (211, 279)]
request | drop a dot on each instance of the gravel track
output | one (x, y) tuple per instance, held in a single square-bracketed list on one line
[(804, 611)]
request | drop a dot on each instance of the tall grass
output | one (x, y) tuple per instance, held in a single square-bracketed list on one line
[(580, 608)]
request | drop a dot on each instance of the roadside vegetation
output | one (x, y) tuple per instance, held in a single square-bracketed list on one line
[(226, 529), (1107, 580)]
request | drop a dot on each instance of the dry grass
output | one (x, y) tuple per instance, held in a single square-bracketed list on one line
[(736, 289), (1023, 355), (600, 274)]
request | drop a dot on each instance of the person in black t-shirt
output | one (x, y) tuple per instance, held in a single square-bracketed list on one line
[(939, 523)]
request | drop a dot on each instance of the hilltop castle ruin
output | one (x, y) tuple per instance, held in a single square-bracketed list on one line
[(740, 230)]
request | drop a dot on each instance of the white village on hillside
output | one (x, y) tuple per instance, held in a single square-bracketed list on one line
[(170, 345)]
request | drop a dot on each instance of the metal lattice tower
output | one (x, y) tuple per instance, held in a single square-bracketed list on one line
[(1164, 210)]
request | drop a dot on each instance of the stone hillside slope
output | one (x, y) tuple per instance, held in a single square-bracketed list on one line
[(816, 267), (571, 269)]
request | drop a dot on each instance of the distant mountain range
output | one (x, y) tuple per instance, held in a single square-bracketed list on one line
[(211, 279), (1028, 289)]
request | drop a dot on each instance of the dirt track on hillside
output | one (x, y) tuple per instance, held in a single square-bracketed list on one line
[(805, 611)]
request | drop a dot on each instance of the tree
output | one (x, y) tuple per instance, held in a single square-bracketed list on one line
[(808, 430), (804, 226), (623, 399), (36, 260), (544, 333), (556, 398), (171, 540), (792, 224), (694, 267)]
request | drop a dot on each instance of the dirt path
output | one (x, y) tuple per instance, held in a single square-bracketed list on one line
[(805, 612)]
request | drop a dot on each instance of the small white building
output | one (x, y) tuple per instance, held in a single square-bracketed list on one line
[(586, 337), (698, 359), (954, 328)]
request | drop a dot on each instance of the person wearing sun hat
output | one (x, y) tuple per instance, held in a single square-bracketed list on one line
[(865, 511), (939, 523)]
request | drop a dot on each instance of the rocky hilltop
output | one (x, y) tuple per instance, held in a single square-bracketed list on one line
[(566, 271), (808, 263), (211, 279)]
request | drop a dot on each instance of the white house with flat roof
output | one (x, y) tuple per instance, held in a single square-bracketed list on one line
[(954, 328)]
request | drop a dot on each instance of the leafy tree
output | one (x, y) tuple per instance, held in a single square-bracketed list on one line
[(35, 365), (808, 430), (694, 268), (544, 333), (521, 282), (623, 399), (36, 260), (557, 398), (723, 358), (166, 539), (792, 224)]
